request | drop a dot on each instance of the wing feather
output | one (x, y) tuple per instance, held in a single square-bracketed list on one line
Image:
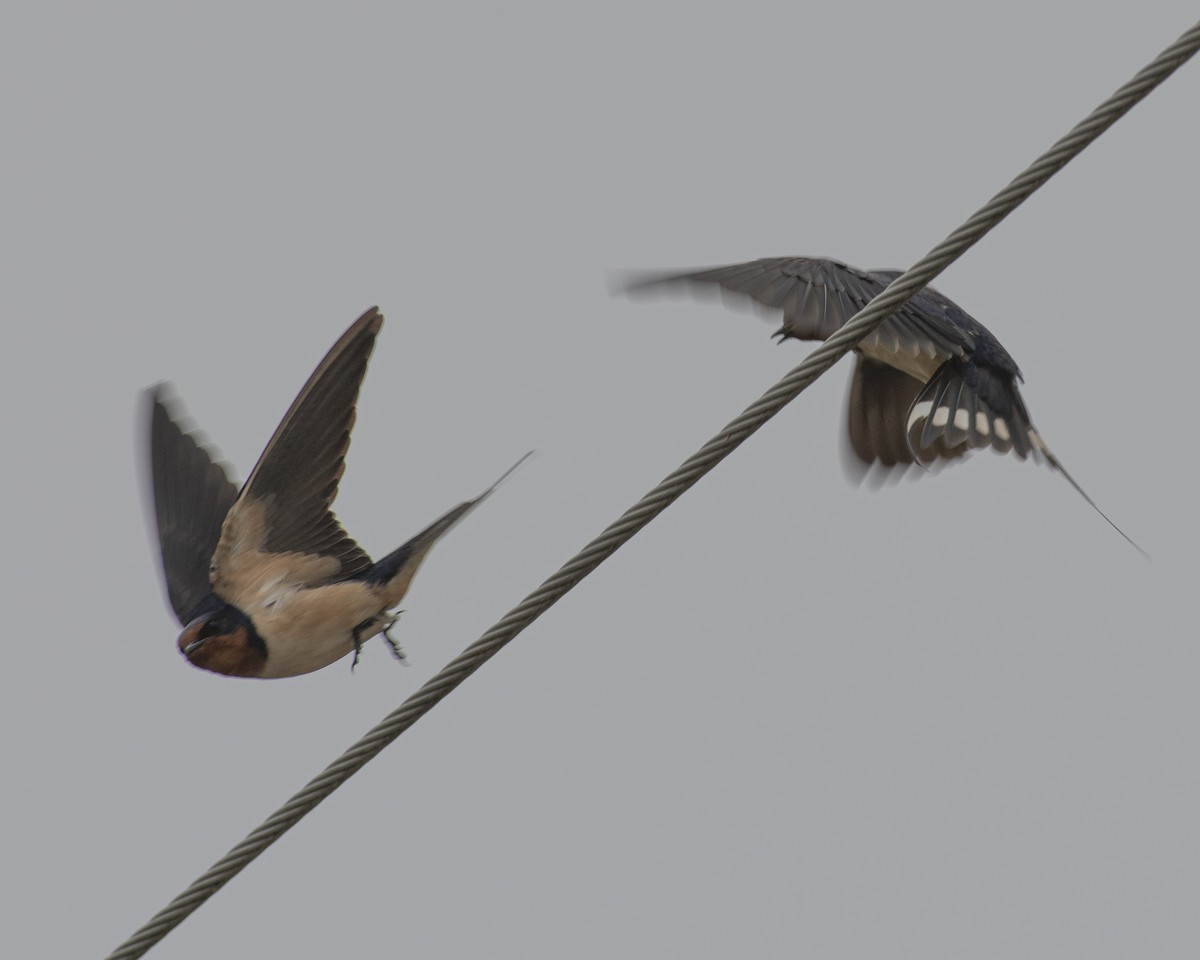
[(817, 297), (192, 496), (296, 478)]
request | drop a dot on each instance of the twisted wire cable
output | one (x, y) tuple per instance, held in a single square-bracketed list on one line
[(658, 499)]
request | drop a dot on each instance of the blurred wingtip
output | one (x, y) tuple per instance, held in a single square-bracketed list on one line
[(161, 393), (638, 284)]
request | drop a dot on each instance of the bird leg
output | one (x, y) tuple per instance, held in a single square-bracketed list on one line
[(356, 634), (397, 650), (368, 628)]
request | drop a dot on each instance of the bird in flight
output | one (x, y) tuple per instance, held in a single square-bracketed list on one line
[(931, 383), (265, 581)]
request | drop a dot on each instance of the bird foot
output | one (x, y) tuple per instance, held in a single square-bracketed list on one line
[(369, 628), (397, 650)]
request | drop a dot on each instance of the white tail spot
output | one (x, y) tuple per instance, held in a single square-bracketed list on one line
[(918, 412)]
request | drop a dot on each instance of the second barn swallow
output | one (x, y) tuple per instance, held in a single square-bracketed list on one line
[(265, 581), (930, 383)]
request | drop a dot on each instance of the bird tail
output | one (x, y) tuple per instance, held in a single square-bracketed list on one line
[(969, 404), (1045, 453), (973, 404), (394, 572)]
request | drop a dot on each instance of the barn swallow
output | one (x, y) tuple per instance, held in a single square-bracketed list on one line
[(931, 383), (265, 581)]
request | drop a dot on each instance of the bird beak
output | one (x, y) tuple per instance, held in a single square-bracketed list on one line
[(190, 640)]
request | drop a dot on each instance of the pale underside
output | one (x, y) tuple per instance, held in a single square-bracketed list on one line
[(920, 364), (306, 616)]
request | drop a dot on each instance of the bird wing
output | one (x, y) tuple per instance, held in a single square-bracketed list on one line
[(878, 416), (284, 507), (192, 495), (818, 296)]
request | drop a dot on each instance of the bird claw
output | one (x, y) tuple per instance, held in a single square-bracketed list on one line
[(397, 650), (357, 636), (357, 649)]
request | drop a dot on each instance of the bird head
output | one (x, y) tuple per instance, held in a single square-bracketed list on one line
[(224, 641)]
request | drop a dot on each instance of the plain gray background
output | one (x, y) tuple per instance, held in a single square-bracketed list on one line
[(955, 718)]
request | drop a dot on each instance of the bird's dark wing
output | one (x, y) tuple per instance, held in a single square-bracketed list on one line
[(192, 495), (818, 296), (878, 413), (296, 478)]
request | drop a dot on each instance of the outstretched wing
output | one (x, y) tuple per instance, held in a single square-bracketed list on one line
[(291, 489), (818, 296), (192, 495)]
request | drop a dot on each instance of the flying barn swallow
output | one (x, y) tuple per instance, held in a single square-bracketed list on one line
[(265, 581), (930, 383)]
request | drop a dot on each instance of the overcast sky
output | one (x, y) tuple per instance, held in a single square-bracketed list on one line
[(954, 718)]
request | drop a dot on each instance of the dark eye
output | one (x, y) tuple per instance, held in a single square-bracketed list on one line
[(211, 628)]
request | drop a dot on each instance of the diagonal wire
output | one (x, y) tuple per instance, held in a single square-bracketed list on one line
[(658, 499)]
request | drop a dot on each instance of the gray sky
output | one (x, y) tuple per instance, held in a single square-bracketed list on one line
[(792, 718)]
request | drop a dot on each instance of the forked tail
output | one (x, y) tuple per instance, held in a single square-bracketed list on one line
[(1039, 445), (396, 570)]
